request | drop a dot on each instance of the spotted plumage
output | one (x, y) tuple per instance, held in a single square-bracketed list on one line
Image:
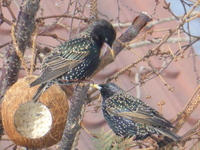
[(75, 59), (128, 116)]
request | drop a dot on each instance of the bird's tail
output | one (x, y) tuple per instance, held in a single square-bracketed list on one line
[(169, 137), (39, 92)]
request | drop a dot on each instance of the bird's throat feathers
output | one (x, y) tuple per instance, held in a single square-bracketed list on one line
[(107, 92)]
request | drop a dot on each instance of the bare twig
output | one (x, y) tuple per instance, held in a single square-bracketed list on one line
[(157, 22), (156, 41), (187, 110), (61, 16), (93, 10), (195, 128)]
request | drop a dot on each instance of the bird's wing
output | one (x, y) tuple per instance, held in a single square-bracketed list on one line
[(57, 67), (59, 62), (142, 114)]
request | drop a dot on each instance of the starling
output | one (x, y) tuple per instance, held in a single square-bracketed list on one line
[(75, 59), (130, 117)]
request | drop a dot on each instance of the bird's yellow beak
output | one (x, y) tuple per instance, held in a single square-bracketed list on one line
[(112, 52), (96, 86)]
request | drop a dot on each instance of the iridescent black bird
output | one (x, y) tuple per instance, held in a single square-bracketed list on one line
[(75, 59), (129, 117)]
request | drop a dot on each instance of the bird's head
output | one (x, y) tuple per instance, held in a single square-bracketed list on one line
[(103, 31), (107, 90)]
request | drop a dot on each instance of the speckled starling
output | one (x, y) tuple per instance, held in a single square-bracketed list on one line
[(76, 59), (129, 117)]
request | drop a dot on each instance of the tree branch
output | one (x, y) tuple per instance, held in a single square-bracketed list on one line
[(73, 125), (22, 35)]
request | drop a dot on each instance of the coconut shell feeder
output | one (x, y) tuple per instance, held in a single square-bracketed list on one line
[(34, 125)]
